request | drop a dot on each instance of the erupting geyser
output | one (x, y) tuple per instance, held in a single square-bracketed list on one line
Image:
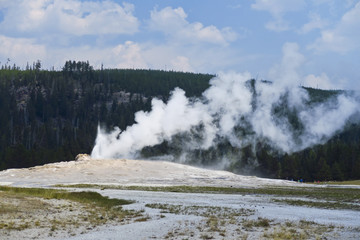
[(234, 108)]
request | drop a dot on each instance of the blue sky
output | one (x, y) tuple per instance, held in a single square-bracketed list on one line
[(312, 42)]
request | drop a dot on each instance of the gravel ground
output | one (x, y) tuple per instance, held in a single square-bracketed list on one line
[(342, 224), (186, 215)]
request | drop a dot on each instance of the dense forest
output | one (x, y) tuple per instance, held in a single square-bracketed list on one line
[(50, 116)]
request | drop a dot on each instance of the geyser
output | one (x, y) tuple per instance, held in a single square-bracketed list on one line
[(233, 109)]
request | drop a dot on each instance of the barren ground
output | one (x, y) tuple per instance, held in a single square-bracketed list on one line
[(170, 215)]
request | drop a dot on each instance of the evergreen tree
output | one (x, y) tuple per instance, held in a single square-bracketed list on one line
[(48, 116)]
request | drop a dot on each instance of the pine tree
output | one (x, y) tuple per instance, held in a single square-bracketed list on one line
[(324, 172)]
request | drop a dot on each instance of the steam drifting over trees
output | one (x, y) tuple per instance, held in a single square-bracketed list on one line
[(50, 116)]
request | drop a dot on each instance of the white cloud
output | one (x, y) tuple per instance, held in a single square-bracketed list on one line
[(21, 50), (173, 23), (129, 55), (287, 71), (277, 8), (193, 58), (344, 37), (321, 82), (72, 17), (316, 22), (181, 63), (58, 30), (126, 55)]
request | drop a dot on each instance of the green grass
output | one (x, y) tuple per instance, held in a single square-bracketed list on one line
[(204, 211), (258, 223), (351, 182), (319, 204), (81, 197), (324, 193), (27, 208), (299, 230)]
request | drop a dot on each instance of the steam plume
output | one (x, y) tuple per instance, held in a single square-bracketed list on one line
[(235, 109), (163, 122), (239, 112)]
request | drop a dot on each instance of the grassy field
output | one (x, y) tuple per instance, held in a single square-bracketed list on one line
[(334, 198), (55, 212), (50, 211), (352, 182), (87, 197)]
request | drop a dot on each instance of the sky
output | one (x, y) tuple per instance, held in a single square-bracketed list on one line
[(313, 43)]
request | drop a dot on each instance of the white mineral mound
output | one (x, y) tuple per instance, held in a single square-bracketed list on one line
[(85, 170)]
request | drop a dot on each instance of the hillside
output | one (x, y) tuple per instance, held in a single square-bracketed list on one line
[(51, 116)]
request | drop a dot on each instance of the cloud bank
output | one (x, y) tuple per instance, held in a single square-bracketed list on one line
[(173, 23), (69, 17), (189, 36), (342, 38)]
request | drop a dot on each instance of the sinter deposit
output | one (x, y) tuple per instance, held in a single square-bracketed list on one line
[(127, 172)]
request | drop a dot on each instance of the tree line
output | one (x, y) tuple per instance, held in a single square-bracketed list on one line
[(50, 116)]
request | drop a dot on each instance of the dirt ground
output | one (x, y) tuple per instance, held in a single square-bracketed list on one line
[(169, 215)]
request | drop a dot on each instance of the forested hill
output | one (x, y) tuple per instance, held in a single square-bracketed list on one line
[(50, 116)]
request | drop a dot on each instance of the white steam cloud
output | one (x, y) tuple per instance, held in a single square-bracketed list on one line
[(236, 109), (163, 122)]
